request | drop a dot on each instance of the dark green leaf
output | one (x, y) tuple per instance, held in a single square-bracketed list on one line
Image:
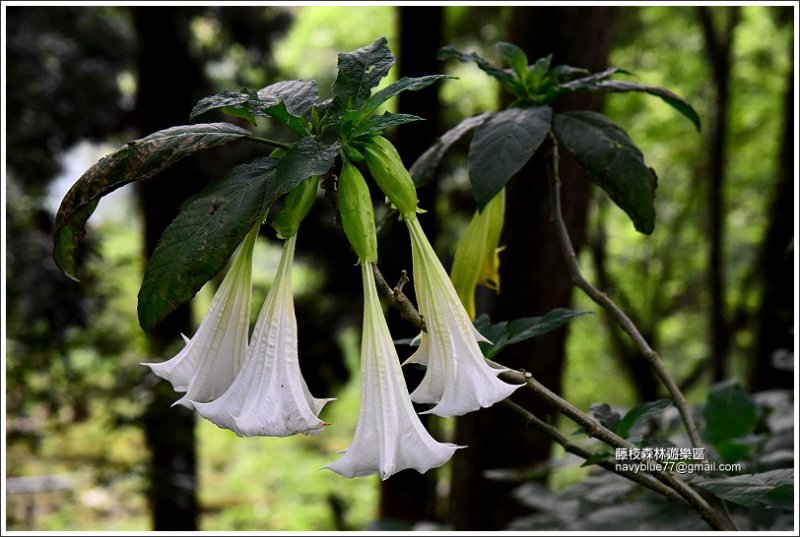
[(587, 82), (594, 458), (502, 145), (425, 165), (774, 488), (360, 71), (309, 156), (563, 73), (504, 76), (670, 98), (375, 124), (639, 414), (729, 414), (288, 102), (607, 417), (138, 160), (232, 102), (514, 56), (298, 95), (510, 332), (615, 164), (404, 84), (201, 239)]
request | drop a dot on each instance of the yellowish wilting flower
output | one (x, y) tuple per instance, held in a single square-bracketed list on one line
[(209, 362), (477, 259), (389, 436), (269, 396), (458, 378)]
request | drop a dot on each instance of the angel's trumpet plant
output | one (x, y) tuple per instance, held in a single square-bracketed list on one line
[(209, 362), (389, 435), (458, 379)]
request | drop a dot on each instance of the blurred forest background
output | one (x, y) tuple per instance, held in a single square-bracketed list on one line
[(91, 441)]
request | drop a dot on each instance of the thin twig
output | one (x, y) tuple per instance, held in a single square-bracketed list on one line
[(397, 299), (595, 429), (613, 310), (642, 479)]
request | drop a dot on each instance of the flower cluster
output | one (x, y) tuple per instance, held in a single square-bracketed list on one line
[(254, 387)]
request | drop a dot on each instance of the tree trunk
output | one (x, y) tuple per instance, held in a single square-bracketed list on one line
[(776, 311), (533, 275), (719, 50), (168, 81), (409, 497)]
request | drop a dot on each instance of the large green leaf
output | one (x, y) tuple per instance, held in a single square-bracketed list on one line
[(360, 71), (774, 488), (729, 414), (504, 76), (509, 332), (424, 166), (309, 156), (615, 164), (374, 124), (404, 84), (138, 160), (670, 98), (639, 414), (288, 102), (502, 145), (201, 239)]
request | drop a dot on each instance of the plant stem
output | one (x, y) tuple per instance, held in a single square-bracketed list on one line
[(267, 141), (642, 479), (595, 429), (396, 298), (604, 301)]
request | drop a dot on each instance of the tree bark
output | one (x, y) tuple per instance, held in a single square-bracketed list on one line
[(776, 311), (168, 80), (719, 47), (533, 276)]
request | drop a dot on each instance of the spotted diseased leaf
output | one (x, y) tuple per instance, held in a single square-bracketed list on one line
[(502, 145), (360, 71), (138, 160), (615, 164), (201, 239)]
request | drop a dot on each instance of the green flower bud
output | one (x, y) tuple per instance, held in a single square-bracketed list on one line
[(295, 207), (355, 209), (392, 177), (477, 261)]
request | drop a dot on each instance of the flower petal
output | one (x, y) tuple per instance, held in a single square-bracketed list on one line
[(208, 363), (269, 396), (458, 378), (389, 435)]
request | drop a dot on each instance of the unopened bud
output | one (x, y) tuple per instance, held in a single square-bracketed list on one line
[(295, 207), (357, 215), (386, 167)]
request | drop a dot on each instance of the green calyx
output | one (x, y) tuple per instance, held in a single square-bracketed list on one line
[(295, 207), (357, 215), (386, 167)]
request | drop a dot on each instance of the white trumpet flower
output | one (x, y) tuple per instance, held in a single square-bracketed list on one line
[(269, 396), (389, 436), (458, 379), (208, 363)]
